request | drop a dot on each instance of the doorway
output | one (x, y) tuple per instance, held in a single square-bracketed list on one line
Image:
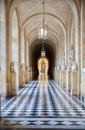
[(43, 66)]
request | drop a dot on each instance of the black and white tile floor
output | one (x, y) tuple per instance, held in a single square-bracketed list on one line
[(42, 104)]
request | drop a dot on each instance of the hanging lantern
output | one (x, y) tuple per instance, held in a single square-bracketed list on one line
[(43, 53), (43, 29), (42, 32)]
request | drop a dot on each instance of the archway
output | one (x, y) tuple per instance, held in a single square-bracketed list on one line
[(35, 51), (43, 66)]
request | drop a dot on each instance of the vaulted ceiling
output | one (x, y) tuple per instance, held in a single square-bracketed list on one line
[(57, 14)]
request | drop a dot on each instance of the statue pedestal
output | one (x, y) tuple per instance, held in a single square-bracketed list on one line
[(63, 78), (60, 77), (55, 75), (13, 86), (22, 82), (27, 78), (30, 75), (69, 80), (74, 83)]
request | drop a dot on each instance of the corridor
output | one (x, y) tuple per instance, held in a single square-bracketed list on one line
[(42, 104), (42, 64)]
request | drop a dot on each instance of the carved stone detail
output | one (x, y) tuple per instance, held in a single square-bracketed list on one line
[(58, 65), (22, 68), (70, 57), (63, 63), (12, 66), (74, 66)]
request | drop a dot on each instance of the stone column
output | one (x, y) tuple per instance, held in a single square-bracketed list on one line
[(31, 76), (19, 70), (22, 80), (83, 85), (68, 77), (60, 77), (58, 71), (13, 91), (69, 80), (74, 83), (55, 74), (74, 79), (27, 74), (63, 69), (64, 78), (8, 50)]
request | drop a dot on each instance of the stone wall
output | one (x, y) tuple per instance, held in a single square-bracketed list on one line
[(3, 83), (83, 27)]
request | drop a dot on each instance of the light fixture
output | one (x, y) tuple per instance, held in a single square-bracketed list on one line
[(42, 30)]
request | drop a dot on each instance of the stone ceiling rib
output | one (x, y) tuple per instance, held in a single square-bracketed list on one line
[(61, 24), (48, 14), (52, 38)]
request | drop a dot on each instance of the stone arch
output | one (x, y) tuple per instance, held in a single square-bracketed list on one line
[(48, 14), (35, 38), (43, 65), (73, 7), (35, 53), (53, 31), (56, 19), (75, 20), (22, 47), (57, 43), (61, 23)]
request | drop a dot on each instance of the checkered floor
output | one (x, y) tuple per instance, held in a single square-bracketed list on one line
[(42, 104)]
